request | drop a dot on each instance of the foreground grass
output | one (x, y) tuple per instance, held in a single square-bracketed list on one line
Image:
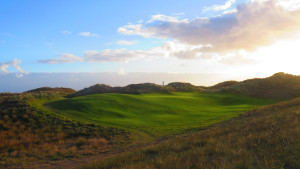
[(28, 134), (156, 115), (267, 137)]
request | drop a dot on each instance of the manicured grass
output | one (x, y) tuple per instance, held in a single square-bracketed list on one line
[(153, 115)]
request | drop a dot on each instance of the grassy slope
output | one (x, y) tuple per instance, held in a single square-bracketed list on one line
[(156, 114), (30, 134), (278, 86), (266, 137)]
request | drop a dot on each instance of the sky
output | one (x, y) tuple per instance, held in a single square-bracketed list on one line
[(233, 38)]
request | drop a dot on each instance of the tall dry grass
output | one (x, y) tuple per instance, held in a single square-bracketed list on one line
[(31, 135)]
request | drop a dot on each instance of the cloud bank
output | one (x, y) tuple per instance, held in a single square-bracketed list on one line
[(167, 49), (253, 25), (220, 38)]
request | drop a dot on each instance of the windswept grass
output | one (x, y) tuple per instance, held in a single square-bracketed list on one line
[(267, 137)]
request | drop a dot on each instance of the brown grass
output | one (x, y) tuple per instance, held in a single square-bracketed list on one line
[(30, 135)]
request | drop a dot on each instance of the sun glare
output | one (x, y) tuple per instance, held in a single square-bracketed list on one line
[(282, 56)]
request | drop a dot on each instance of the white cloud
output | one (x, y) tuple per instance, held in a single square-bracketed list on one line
[(227, 5), (167, 49), (112, 55), (289, 4), (286, 4), (66, 32), (253, 25), (84, 34), (139, 29), (134, 30), (124, 42), (63, 58), (160, 17), (13, 63), (230, 11), (4, 67), (88, 34)]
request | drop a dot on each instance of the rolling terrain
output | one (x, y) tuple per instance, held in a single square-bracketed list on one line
[(29, 135), (228, 125), (263, 138), (279, 86), (156, 114)]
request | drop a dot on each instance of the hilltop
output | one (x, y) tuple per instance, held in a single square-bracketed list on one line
[(138, 89), (54, 90), (278, 86)]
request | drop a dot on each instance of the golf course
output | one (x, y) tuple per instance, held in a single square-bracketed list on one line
[(153, 115)]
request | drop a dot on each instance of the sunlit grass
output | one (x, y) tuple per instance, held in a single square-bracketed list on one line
[(156, 114), (266, 137)]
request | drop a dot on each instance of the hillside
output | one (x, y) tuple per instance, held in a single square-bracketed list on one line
[(185, 87), (266, 137), (223, 84), (278, 86), (41, 125), (55, 90), (28, 133), (138, 89), (129, 89), (50, 125), (156, 114)]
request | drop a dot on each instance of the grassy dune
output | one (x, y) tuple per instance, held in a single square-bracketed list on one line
[(266, 137), (157, 114), (31, 135)]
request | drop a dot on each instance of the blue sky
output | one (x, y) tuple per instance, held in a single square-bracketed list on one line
[(32, 30), (233, 37)]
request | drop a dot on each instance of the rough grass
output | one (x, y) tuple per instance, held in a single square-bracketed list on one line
[(28, 134), (156, 114), (267, 137), (31, 133)]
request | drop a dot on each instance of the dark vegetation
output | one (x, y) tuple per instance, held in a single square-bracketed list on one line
[(224, 84), (138, 89), (266, 137), (185, 87), (278, 86), (29, 134), (52, 91)]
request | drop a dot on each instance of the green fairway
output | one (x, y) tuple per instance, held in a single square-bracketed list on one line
[(156, 114)]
